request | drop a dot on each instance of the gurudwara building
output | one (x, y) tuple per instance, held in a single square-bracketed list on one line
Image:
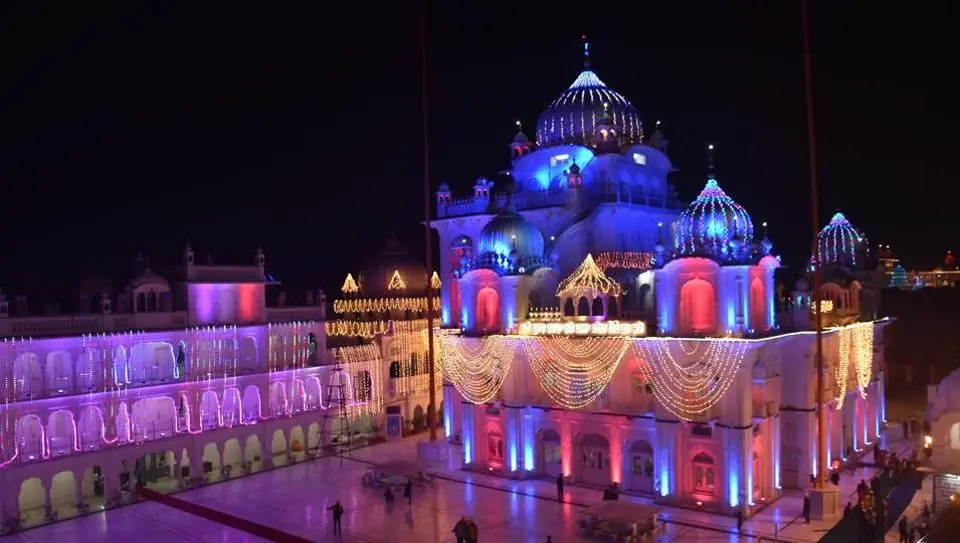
[(186, 376), (594, 327)]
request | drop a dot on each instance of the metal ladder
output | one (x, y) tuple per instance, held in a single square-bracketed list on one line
[(337, 382)]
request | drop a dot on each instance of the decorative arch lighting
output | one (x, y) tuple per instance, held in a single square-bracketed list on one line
[(396, 282), (350, 285), (478, 372), (574, 372), (689, 384)]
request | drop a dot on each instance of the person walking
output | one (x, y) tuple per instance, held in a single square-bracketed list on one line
[(408, 491), (461, 531), (806, 508), (739, 522), (337, 510), (904, 527), (560, 487)]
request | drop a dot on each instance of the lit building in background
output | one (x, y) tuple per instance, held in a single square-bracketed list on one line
[(944, 276), (182, 377), (596, 328), (384, 309)]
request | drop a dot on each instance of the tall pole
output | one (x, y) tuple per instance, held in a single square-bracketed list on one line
[(815, 210), (432, 406)]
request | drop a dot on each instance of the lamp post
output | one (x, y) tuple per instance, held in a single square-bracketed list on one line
[(432, 406)]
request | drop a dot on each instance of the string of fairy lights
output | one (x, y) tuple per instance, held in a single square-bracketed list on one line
[(574, 371), (363, 368), (477, 367), (366, 329), (689, 387), (363, 305), (842, 370)]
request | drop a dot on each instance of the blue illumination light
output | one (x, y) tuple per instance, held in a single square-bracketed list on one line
[(841, 243), (734, 482), (714, 225)]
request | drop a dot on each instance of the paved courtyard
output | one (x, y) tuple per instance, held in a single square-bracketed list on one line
[(294, 499)]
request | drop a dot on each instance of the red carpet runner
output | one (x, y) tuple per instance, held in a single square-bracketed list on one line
[(259, 530)]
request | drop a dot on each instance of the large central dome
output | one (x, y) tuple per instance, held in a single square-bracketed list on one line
[(571, 117)]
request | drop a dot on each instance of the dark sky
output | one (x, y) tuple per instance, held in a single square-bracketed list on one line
[(300, 128)]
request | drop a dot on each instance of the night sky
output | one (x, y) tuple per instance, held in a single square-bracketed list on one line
[(300, 128)]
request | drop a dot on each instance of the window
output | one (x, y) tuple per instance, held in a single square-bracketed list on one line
[(593, 458), (643, 465), (394, 370), (559, 160), (640, 159), (703, 474), (414, 367)]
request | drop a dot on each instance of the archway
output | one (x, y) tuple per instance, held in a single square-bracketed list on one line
[(551, 453), (594, 459), (569, 310), (703, 478), (211, 462), (278, 400), (418, 419), (313, 436), (314, 397), (30, 438), (495, 449), (152, 362), (32, 500), (90, 428), (758, 305), (27, 376), (583, 307), (232, 455), (231, 412), (488, 309), (123, 424), (251, 404), (61, 433), (121, 369), (298, 443), (89, 372), (640, 463), (252, 453), (63, 493), (596, 308), (298, 397), (154, 418), (209, 410), (698, 307), (60, 377)]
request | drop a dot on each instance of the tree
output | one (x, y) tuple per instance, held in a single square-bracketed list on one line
[(899, 279)]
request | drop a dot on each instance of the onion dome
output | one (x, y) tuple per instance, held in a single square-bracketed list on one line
[(570, 119), (840, 243), (393, 273), (713, 225), (510, 234)]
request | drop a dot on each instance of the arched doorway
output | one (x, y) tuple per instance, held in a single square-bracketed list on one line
[(495, 454), (698, 307), (757, 477), (758, 306), (704, 474), (488, 309), (640, 461), (594, 458), (551, 453)]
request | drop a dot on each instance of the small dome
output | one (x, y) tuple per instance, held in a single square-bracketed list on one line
[(148, 277), (510, 231), (95, 285), (712, 223), (393, 273), (841, 243), (572, 116)]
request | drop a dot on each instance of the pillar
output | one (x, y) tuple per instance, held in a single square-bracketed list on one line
[(666, 470), (567, 447), (111, 484), (513, 428), (469, 425), (266, 449), (616, 454), (528, 441), (178, 467), (775, 457), (47, 505), (452, 423), (78, 483)]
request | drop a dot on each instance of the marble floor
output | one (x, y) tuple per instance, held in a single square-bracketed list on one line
[(295, 500)]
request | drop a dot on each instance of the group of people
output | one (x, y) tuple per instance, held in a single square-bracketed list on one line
[(612, 492), (465, 530)]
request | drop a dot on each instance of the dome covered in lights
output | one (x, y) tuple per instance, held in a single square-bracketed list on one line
[(571, 117), (841, 243), (713, 225), (393, 273), (509, 231)]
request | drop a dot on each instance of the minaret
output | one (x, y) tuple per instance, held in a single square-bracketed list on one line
[(521, 145), (657, 140)]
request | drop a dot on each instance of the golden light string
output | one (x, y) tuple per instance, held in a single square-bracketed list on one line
[(364, 366), (841, 371), (862, 344), (574, 371), (691, 387), (477, 372), (363, 305), (367, 329)]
